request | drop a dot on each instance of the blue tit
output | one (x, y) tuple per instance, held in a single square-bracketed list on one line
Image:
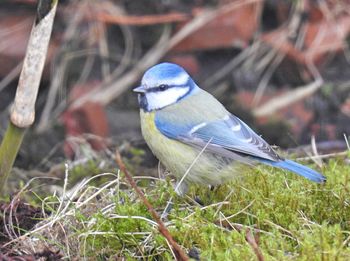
[(191, 132)]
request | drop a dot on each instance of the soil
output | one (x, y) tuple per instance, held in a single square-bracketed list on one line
[(25, 217)]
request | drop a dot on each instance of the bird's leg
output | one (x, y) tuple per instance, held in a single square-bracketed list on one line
[(180, 189), (199, 201), (168, 208), (215, 187), (209, 193)]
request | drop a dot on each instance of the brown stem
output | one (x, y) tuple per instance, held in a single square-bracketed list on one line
[(251, 240), (180, 255), (254, 244)]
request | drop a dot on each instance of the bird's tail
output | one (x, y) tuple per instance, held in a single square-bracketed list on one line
[(298, 169)]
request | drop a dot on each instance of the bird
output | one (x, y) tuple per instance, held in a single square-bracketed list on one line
[(195, 137)]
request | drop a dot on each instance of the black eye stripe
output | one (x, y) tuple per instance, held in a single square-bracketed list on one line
[(159, 88), (163, 87)]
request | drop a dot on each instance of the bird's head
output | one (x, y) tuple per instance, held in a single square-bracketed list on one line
[(162, 85)]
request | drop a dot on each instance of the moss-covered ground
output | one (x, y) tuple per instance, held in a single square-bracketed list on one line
[(289, 217)]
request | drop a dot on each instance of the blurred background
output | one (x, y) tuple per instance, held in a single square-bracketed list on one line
[(282, 66)]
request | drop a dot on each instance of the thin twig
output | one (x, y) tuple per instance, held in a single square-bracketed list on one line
[(162, 228), (103, 48), (254, 244), (324, 156), (59, 69), (129, 44), (266, 78), (287, 99), (249, 236), (230, 66), (322, 147), (142, 19), (10, 76)]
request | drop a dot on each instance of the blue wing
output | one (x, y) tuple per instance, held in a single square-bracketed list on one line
[(230, 134), (231, 137)]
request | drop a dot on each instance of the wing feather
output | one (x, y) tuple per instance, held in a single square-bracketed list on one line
[(229, 137)]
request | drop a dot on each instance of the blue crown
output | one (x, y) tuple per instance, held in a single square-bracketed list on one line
[(162, 71)]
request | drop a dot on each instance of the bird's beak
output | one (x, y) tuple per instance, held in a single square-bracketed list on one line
[(140, 89)]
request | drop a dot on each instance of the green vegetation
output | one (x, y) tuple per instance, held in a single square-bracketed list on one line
[(8, 151), (290, 217)]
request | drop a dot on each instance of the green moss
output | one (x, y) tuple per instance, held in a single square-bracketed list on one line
[(296, 219), (89, 169)]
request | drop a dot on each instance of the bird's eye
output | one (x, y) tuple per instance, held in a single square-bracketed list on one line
[(163, 87)]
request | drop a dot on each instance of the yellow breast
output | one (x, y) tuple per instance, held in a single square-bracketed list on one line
[(173, 154), (177, 157)]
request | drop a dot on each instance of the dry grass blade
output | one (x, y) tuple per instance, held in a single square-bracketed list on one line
[(162, 228), (317, 159), (347, 141)]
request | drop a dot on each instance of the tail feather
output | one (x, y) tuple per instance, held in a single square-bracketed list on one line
[(298, 169)]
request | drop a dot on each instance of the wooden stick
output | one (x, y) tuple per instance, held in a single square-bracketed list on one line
[(23, 110)]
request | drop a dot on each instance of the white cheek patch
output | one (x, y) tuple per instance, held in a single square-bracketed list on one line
[(158, 100)]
